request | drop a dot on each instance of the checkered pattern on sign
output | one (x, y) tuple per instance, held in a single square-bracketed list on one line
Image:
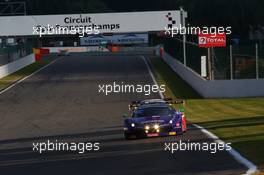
[(171, 21)]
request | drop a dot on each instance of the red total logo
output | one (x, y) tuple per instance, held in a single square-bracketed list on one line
[(212, 40)]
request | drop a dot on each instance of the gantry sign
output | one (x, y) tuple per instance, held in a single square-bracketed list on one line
[(105, 22)]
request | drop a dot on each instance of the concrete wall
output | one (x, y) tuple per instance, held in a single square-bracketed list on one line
[(216, 88), (7, 58), (138, 50), (14, 66)]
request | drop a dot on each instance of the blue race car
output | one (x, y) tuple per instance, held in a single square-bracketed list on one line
[(154, 117)]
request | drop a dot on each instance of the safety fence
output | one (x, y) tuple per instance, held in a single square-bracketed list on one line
[(244, 60), (214, 88)]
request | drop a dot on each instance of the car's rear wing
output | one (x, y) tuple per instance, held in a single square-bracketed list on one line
[(135, 104), (178, 101)]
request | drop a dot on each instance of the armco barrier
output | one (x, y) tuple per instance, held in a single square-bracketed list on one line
[(14, 66), (216, 88), (75, 49)]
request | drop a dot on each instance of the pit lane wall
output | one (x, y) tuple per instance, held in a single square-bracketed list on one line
[(148, 50), (14, 66), (215, 88)]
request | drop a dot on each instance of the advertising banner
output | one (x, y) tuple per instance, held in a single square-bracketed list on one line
[(211, 40), (115, 39)]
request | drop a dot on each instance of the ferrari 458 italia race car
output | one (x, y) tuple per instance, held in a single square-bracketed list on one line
[(154, 117)]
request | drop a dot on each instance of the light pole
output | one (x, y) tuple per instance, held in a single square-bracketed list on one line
[(257, 62), (231, 62), (183, 16)]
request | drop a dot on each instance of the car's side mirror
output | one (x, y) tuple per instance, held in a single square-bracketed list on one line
[(125, 115)]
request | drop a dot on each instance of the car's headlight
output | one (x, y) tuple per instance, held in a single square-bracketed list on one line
[(147, 127), (133, 124), (156, 126), (170, 121)]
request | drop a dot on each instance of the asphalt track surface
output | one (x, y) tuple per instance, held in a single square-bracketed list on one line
[(61, 102)]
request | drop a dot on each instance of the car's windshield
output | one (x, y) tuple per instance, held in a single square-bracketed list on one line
[(152, 111)]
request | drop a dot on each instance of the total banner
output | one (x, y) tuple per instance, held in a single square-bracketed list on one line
[(211, 40)]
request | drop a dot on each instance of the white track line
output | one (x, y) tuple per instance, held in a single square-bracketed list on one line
[(252, 168), (19, 81), (152, 76)]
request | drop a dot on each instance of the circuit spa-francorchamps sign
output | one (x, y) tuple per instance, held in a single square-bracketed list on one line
[(104, 22)]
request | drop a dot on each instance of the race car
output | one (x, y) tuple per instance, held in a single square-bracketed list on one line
[(153, 118)]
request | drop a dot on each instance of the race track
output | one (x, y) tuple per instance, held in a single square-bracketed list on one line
[(61, 102)]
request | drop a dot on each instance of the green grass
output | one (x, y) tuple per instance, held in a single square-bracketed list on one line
[(239, 121), (176, 87), (12, 78)]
